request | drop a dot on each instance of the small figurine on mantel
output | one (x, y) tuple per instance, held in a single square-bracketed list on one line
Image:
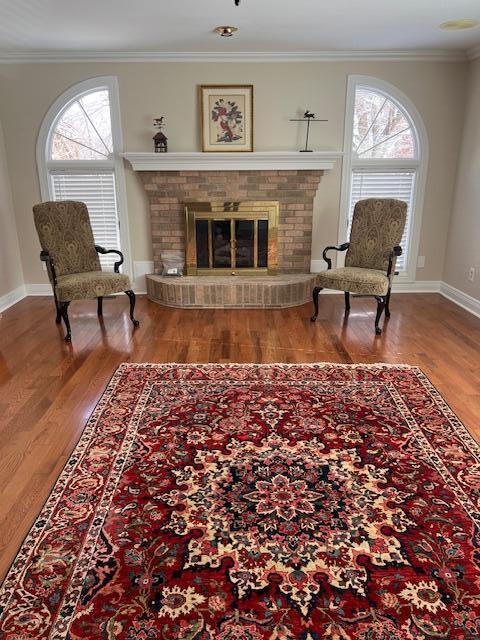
[(308, 117), (160, 139)]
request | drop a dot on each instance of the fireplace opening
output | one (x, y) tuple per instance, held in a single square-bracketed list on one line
[(232, 237)]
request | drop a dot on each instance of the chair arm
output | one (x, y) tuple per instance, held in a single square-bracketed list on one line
[(392, 258), (47, 258), (103, 251), (340, 247)]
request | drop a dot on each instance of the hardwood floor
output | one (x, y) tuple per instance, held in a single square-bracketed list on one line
[(49, 388)]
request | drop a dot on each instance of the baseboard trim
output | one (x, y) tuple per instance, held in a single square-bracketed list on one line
[(464, 300), (140, 269), (46, 290), (420, 286), (38, 290), (12, 297), (316, 266)]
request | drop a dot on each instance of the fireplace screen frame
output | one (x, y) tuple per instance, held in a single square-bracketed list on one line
[(231, 212)]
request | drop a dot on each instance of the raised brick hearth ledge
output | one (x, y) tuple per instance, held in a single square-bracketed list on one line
[(232, 292)]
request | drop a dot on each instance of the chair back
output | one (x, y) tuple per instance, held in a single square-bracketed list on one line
[(64, 231), (377, 227)]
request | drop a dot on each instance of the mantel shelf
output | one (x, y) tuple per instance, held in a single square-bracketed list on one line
[(233, 161)]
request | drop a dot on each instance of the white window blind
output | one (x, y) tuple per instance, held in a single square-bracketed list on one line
[(97, 191), (397, 184)]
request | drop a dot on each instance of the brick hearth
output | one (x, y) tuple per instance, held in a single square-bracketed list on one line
[(168, 191)]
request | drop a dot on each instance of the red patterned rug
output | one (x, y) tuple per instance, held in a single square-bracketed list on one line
[(246, 502)]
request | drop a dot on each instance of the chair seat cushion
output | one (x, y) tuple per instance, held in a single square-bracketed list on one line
[(356, 280), (90, 284)]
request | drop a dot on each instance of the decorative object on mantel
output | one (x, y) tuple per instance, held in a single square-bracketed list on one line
[(237, 2), (307, 117), (160, 139), (225, 31), (227, 117)]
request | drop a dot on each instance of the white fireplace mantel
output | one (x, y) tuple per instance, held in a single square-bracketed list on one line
[(233, 161)]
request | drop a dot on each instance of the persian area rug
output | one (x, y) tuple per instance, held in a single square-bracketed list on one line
[(268, 502)]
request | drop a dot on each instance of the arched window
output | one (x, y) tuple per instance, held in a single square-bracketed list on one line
[(385, 156), (78, 159)]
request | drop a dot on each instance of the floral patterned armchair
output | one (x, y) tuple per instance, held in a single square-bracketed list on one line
[(71, 256), (377, 230)]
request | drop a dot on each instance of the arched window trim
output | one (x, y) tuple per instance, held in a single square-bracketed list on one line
[(115, 162), (420, 162)]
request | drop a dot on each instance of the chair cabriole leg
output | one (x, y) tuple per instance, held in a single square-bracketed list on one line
[(315, 294), (100, 306), (63, 308), (58, 318), (387, 303), (380, 307), (347, 301), (131, 296)]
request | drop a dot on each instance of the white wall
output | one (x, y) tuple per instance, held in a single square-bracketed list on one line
[(11, 276), (282, 90), (463, 246)]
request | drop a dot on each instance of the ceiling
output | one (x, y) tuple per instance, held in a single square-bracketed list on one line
[(75, 27)]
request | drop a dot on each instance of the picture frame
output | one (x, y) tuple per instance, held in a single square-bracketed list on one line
[(226, 117)]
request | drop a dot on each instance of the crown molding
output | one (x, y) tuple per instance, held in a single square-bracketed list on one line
[(439, 55)]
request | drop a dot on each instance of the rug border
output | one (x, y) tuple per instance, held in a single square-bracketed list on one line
[(116, 375), (64, 473), (422, 376)]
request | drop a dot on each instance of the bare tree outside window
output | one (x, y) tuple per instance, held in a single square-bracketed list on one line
[(84, 130), (380, 129)]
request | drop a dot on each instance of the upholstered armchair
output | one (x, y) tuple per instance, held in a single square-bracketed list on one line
[(72, 261), (377, 229)]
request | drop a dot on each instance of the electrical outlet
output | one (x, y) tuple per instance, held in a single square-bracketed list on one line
[(471, 274), (421, 262)]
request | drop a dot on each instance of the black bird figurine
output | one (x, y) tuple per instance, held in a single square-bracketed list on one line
[(237, 2), (308, 117)]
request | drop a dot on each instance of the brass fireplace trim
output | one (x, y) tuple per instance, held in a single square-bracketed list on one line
[(232, 211)]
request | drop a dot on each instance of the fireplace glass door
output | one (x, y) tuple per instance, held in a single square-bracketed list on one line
[(231, 238)]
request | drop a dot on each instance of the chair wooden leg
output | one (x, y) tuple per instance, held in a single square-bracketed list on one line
[(58, 318), (131, 296), (100, 306), (387, 303), (347, 301), (380, 307), (315, 294), (63, 307)]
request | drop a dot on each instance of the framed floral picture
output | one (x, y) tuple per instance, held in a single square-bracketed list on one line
[(227, 117)]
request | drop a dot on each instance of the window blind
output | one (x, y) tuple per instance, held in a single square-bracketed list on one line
[(97, 191), (385, 184)]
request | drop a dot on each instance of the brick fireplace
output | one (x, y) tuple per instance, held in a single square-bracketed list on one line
[(290, 179), (169, 191)]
